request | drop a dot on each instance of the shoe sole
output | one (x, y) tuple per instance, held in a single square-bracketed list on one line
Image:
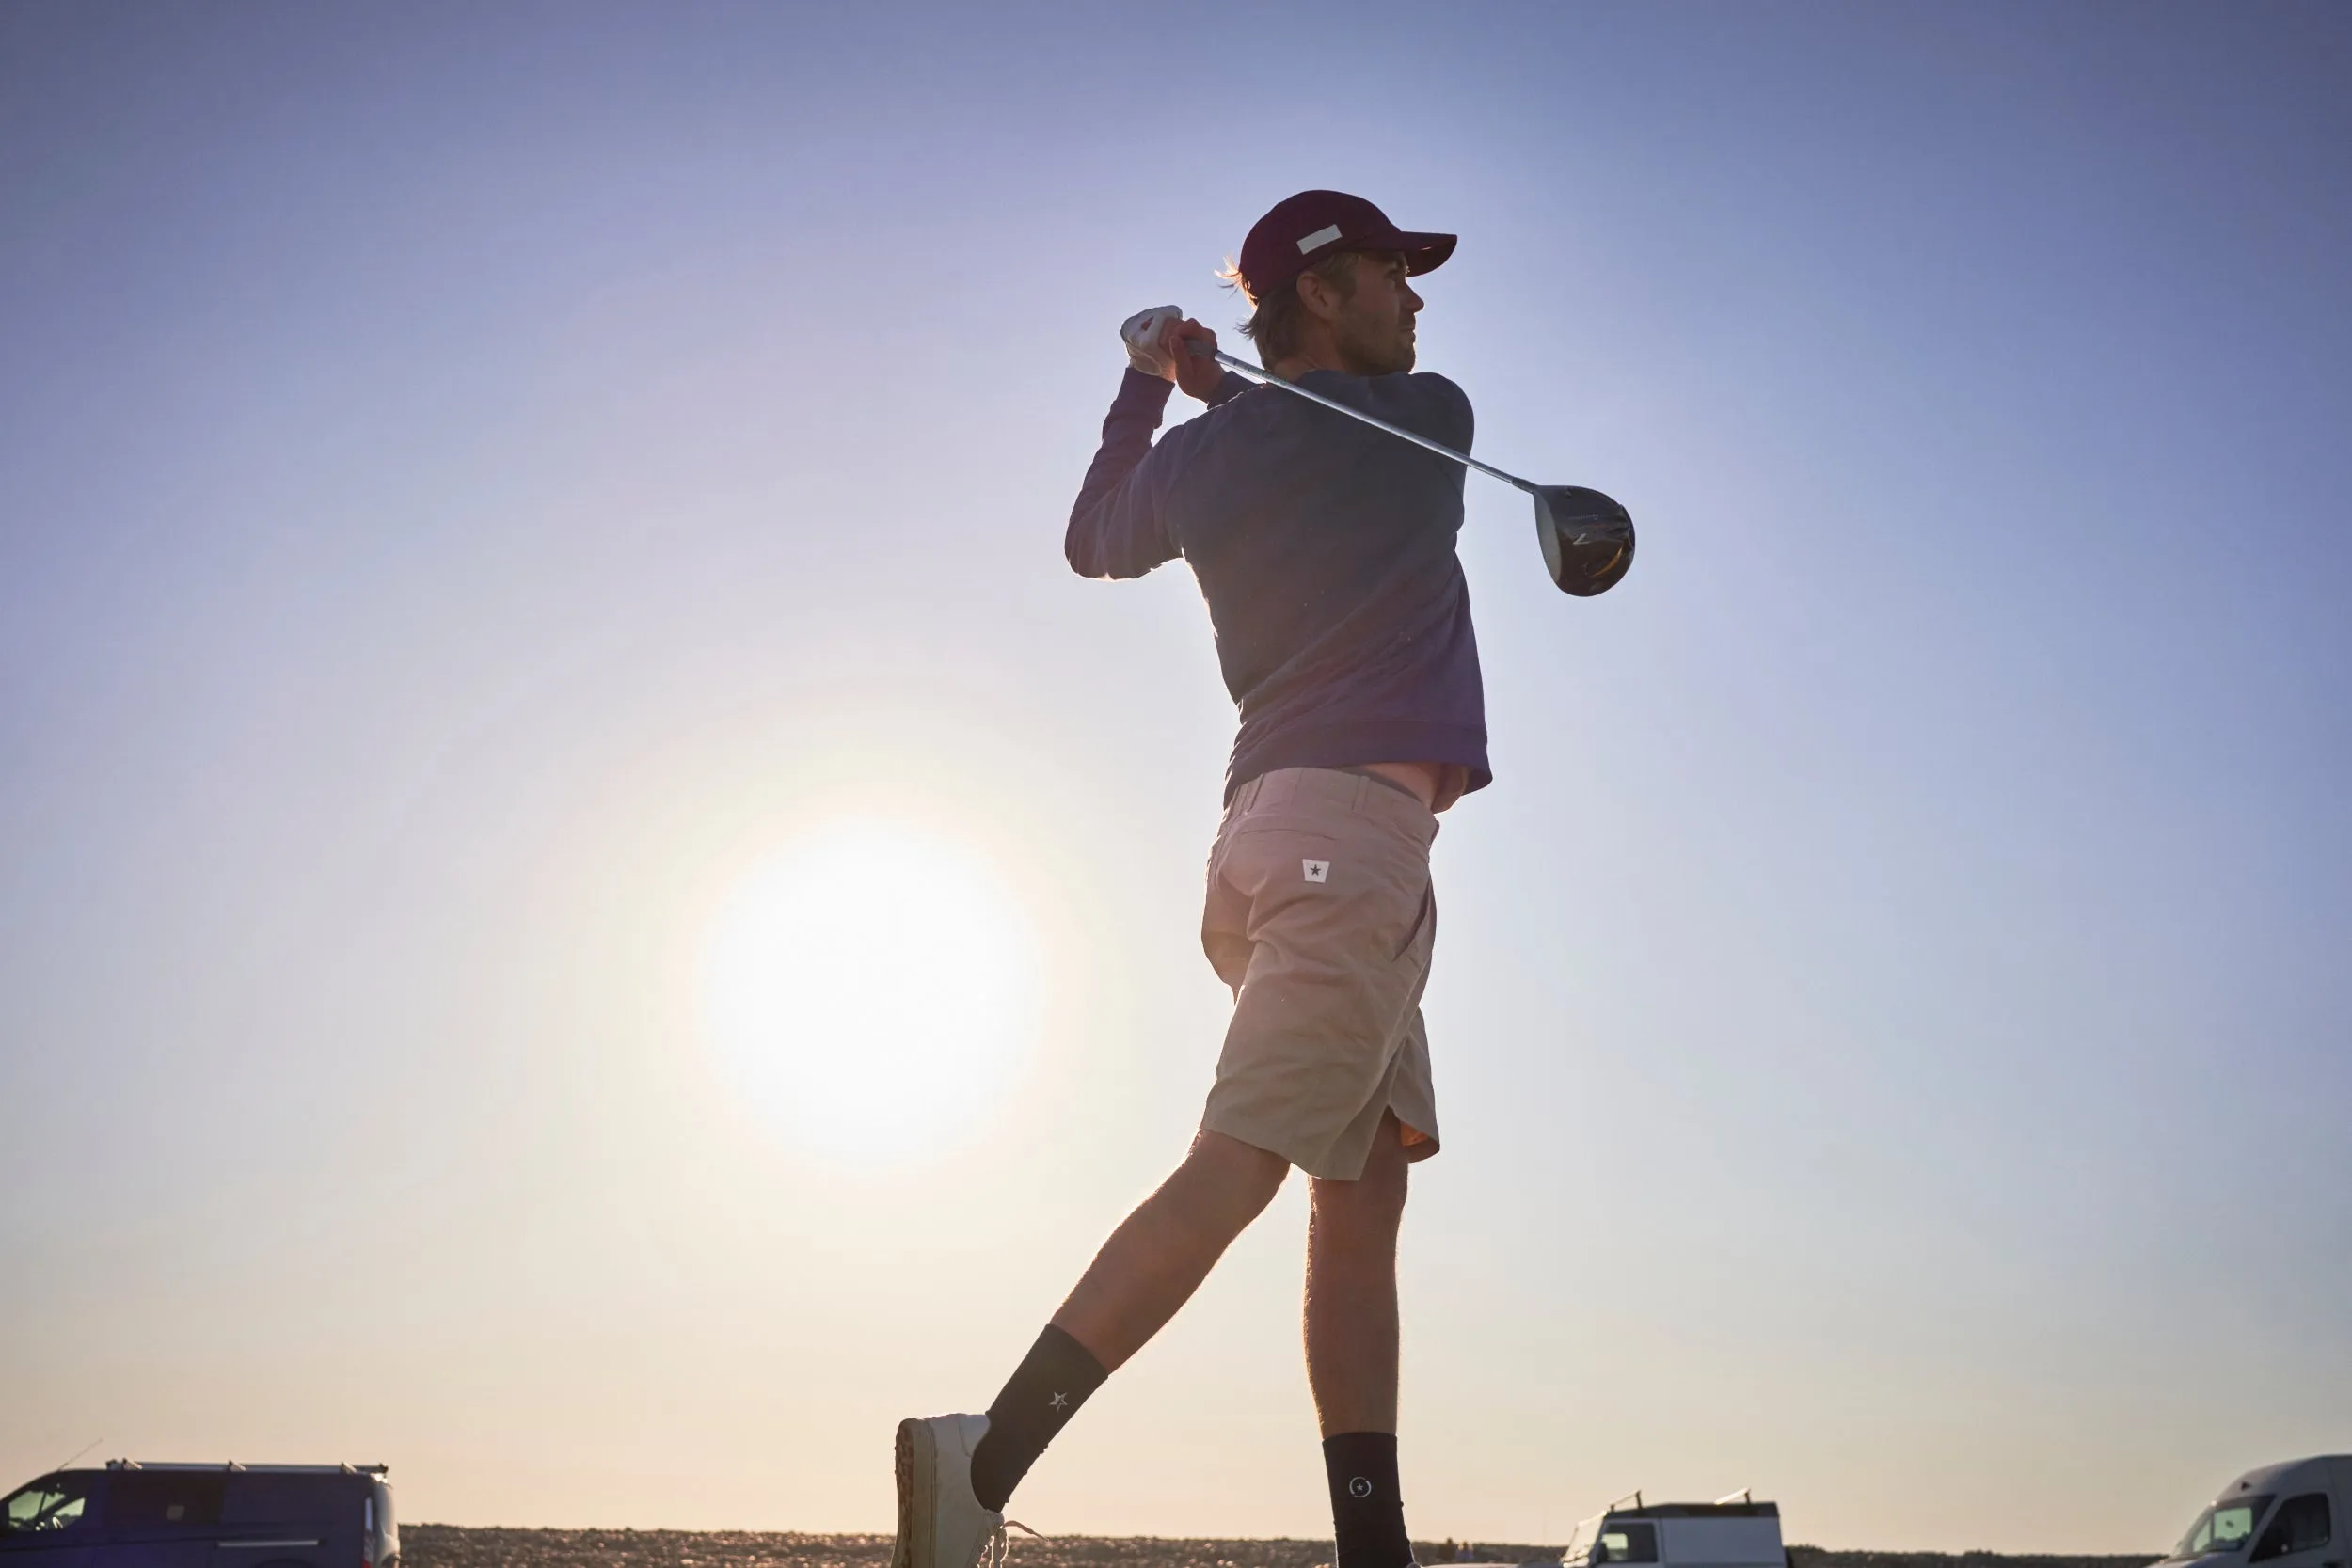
[(917, 1465)]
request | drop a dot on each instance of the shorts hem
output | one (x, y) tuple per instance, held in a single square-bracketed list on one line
[(1322, 1170), (1239, 1129)]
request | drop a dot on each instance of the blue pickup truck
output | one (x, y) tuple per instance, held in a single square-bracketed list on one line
[(133, 1516)]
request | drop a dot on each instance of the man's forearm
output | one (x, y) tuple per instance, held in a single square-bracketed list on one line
[(1113, 530), (1117, 528)]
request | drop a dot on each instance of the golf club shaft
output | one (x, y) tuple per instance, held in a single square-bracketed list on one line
[(1256, 374)]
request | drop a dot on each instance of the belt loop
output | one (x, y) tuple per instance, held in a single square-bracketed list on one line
[(1356, 801)]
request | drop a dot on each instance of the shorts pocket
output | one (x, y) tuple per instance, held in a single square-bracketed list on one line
[(1424, 920), (1276, 860)]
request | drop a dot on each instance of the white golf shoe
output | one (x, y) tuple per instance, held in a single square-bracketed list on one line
[(941, 1524)]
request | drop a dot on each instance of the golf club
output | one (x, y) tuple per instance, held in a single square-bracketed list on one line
[(1587, 538)]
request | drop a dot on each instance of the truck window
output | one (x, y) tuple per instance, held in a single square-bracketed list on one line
[(1627, 1541), (51, 1503), (2301, 1525)]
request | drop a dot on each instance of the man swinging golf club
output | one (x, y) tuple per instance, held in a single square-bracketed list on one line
[(1325, 550)]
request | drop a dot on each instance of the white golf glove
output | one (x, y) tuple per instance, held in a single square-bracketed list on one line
[(1140, 332)]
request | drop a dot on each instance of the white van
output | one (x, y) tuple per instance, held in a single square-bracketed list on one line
[(1735, 1532), (2292, 1515)]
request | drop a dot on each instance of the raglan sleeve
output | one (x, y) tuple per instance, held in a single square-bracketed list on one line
[(1442, 411), (1118, 526)]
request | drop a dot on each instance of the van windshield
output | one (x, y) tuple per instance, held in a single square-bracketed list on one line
[(1623, 1540), (54, 1502), (2223, 1528)]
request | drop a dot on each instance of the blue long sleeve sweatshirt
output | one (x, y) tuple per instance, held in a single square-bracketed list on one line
[(1326, 552)]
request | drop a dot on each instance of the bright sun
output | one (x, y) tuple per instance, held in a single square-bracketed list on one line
[(870, 989)]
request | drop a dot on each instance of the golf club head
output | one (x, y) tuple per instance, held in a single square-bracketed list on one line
[(1587, 538)]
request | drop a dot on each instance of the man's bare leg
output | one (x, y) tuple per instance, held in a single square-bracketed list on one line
[(1160, 1254), (1351, 1292), (1150, 1267), (1352, 1351)]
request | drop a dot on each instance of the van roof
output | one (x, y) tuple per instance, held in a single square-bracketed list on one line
[(1699, 1510), (230, 1464), (2286, 1473)]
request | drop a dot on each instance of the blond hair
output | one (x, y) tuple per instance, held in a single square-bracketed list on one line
[(1276, 320)]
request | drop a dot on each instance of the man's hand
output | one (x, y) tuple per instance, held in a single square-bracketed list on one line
[(1160, 342), (1140, 332), (1196, 373)]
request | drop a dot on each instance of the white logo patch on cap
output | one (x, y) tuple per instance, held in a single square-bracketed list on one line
[(1323, 235), (1316, 871)]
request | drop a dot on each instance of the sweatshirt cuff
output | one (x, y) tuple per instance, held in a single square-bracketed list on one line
[(1142, 394), (1232, 386)]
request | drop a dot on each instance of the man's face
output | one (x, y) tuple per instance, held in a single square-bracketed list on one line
[(1373, 331)]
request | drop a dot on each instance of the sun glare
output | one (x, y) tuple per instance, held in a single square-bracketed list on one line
[(870, 989)]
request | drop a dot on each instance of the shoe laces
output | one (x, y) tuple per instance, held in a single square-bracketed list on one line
[(997, 1551)]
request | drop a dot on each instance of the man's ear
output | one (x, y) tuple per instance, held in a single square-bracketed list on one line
[(1320, 295)]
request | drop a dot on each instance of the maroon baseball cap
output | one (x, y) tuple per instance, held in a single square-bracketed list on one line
[(1304, 228)]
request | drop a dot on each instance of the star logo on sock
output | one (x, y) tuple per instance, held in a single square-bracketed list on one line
[(1061, 1402)]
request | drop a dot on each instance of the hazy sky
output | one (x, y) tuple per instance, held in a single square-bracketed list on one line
[(503, 507)]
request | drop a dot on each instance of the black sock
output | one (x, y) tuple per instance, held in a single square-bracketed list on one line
[(1052, 1381), (1367, 1514)]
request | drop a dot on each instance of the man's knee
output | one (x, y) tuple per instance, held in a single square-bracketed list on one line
[(1239, 1179), (1369, 1203)]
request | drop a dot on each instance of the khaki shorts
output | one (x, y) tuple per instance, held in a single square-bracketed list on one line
[(1321, 917)]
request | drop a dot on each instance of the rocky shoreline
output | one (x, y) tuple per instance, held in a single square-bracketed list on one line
[(458, 1546)]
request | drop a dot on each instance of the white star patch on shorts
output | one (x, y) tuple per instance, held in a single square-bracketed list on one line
[(1316, 871)]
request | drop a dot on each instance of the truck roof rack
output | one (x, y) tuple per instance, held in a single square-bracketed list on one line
[(346, 1468)]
